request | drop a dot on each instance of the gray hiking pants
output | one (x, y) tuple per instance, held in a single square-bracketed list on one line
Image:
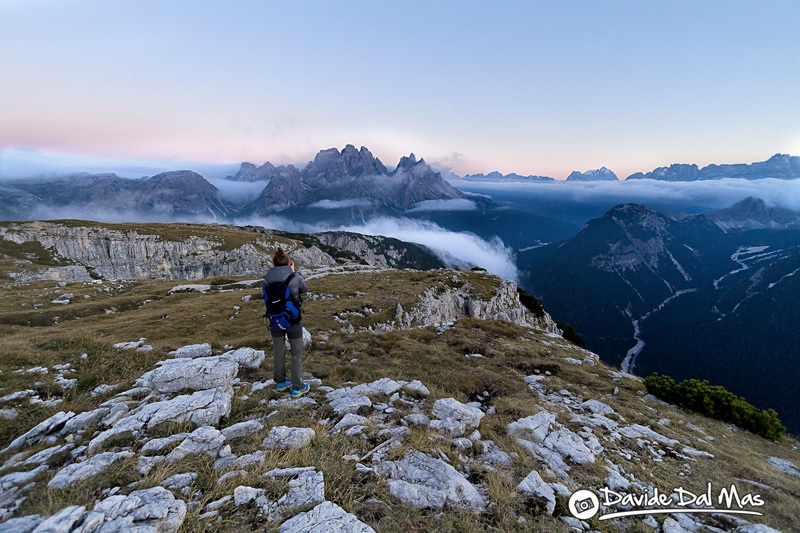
[(279, 355)]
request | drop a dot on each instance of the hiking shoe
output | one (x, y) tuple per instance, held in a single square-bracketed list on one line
[(296, 393), (282, 386)]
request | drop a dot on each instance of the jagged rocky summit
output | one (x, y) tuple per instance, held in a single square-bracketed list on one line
[(353, 175), (601, 174)]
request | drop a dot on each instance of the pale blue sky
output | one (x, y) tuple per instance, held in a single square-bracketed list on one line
[(527, 87)]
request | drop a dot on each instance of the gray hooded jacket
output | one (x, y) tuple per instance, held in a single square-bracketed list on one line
[(278, 274)]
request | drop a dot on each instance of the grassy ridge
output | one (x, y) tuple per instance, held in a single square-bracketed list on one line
[(510, 352)]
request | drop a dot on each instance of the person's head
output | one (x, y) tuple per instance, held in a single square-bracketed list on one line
[(279, 258)]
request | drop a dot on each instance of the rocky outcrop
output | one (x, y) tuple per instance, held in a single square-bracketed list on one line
[(382, 252), (441, 306), (111, 253)]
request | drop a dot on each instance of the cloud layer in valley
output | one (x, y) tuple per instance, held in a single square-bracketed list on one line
[(580, 201)]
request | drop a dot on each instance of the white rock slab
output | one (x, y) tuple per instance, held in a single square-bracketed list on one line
[(72, 474), (534, 485), (246, 357), (203, 373), (421, 481), (326, 517), (284, 437), (192, 351)]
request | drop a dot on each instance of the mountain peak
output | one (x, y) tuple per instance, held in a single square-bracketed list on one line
[(332, 165), (753, 213), (600, 174)]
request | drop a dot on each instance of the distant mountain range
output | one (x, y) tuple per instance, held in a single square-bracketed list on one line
[(496, 177), (351, 177), (177, 194), (779, 166), (710, 296)]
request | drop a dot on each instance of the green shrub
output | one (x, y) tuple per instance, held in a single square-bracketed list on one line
[(716, 401)]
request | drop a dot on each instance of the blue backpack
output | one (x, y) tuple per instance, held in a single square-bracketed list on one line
[(283, 309)]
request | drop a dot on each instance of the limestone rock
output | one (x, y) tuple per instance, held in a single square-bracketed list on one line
[(450, 408), (308, 488), (636, 431), (38, 433), (203, 373), (204, 440), (283, 437), (242, 429), (63, 521), (671, 525), (785, 466), (422, 481), (192, 351), (350, 405), (83, 420), (436, 307), (202, 408), (72, 474), (153, 510), (756, 528), (349, 420), (326, 517), (179, 481), (417, 419), (246, 357), (417, 386), (23, 524), (243, 495), (534, 485)]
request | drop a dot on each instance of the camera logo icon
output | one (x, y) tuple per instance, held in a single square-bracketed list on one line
[(583, 504)]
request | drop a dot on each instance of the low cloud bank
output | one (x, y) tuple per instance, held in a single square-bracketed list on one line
[(458, 204), (18, 163), (238, 192), (579, 201), (341, 204), (456, 249)]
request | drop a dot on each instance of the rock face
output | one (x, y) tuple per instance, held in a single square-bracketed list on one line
[(753, 213), (382, 252), (117, 254)]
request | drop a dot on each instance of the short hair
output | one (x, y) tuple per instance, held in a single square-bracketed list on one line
[(279, 258)]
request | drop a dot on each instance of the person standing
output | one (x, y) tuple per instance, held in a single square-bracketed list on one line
[(283, 273)]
